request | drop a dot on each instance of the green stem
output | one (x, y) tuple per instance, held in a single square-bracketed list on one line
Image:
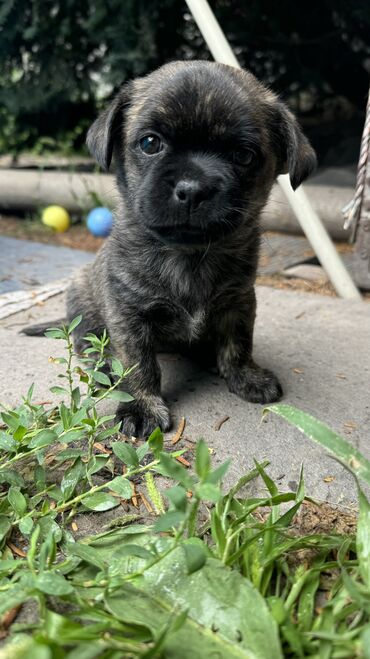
[(76, 500)]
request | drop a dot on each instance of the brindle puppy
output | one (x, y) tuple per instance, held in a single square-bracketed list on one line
[(197, 147)]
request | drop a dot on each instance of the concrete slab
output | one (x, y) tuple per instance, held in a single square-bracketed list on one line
[(25, 264), (319, 347)]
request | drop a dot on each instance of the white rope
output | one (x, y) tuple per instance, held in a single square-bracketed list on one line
[(352, 210), (308, 219)]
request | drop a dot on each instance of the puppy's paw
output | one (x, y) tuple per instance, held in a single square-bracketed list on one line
[(141, 416), (255, 384)]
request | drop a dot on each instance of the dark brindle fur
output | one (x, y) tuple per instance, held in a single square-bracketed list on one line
[(178, 270)]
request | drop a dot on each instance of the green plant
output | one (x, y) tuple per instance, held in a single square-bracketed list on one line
[(209, 574)]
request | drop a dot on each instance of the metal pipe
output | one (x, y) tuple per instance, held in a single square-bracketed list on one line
[(308, 219)]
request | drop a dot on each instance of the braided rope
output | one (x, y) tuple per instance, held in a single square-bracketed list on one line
[(352, 210)]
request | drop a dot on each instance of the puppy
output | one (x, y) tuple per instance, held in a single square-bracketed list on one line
[(197, 146)]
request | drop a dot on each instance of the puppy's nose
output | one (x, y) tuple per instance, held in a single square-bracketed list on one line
[(189, 193)]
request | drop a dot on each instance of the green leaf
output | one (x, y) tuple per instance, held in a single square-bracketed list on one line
[(4, 526), (117, 367), (19, 433), (227, 616), (142, 450), (17, 500), (122, 486), (102, 378), (363, 538), (209, 492), (177, 496), (43, 438), (126, 453), (86, 553), (155, 442), (169, 520), (71, 478), (59, 390), (217, 474), (195, 554), (169, 467), (11, 419), (52, 583), (7, 443), (325, 437), (202, 459), (12, 477), (74, 323), (120, 396), (134, 550), (26, 525), (55, 333), (100, 501)]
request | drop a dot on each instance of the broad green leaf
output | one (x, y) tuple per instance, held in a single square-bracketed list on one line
[(86, 553), (155, 441), (12, 477), (52, 583), (169, 467), (325, 437), (167, 521), (209, 492), (117, 367), (102, 378), (195, 554), (4, 526), (17, 500), (142, 450), (120, 396), (55, 333), (19, 433), (43, 438), (26, 525), (122, 486), (217, 474), (363, 538), (202, 459), (71, 478), (7, 443), (177, 496), (100, 501), (227, 617), (126, 453), (62, 391), (74, 323)]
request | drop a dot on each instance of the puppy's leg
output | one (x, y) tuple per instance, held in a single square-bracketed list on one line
[(148, 409), (234, 340)]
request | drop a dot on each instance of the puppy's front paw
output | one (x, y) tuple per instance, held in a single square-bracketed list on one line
[(141, 416), (258, 385)]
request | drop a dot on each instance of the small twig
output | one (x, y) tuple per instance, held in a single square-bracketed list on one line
[(221, 422), (7, 619), (183, 461), (176, 438), (16, 550), (102, 448), (146, 503), (134, 496)]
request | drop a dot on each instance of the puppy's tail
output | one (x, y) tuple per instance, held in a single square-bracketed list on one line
[(40, 328)]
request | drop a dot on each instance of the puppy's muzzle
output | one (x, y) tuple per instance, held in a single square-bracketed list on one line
[(189, 194)]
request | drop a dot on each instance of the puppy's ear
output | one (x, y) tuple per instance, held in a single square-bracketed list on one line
[(296, 155), (107, 128)]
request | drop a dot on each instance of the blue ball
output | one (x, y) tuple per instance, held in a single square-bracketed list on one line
[(99, 221)]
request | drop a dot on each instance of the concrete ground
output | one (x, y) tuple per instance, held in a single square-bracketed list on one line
[(318, 346)]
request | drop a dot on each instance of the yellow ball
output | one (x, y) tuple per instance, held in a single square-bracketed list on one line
[(56, 217)]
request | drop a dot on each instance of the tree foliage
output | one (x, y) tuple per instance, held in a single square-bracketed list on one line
[(61, 58)]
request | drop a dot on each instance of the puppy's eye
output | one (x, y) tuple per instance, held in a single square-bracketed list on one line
[(151, 144), (243, 158)]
